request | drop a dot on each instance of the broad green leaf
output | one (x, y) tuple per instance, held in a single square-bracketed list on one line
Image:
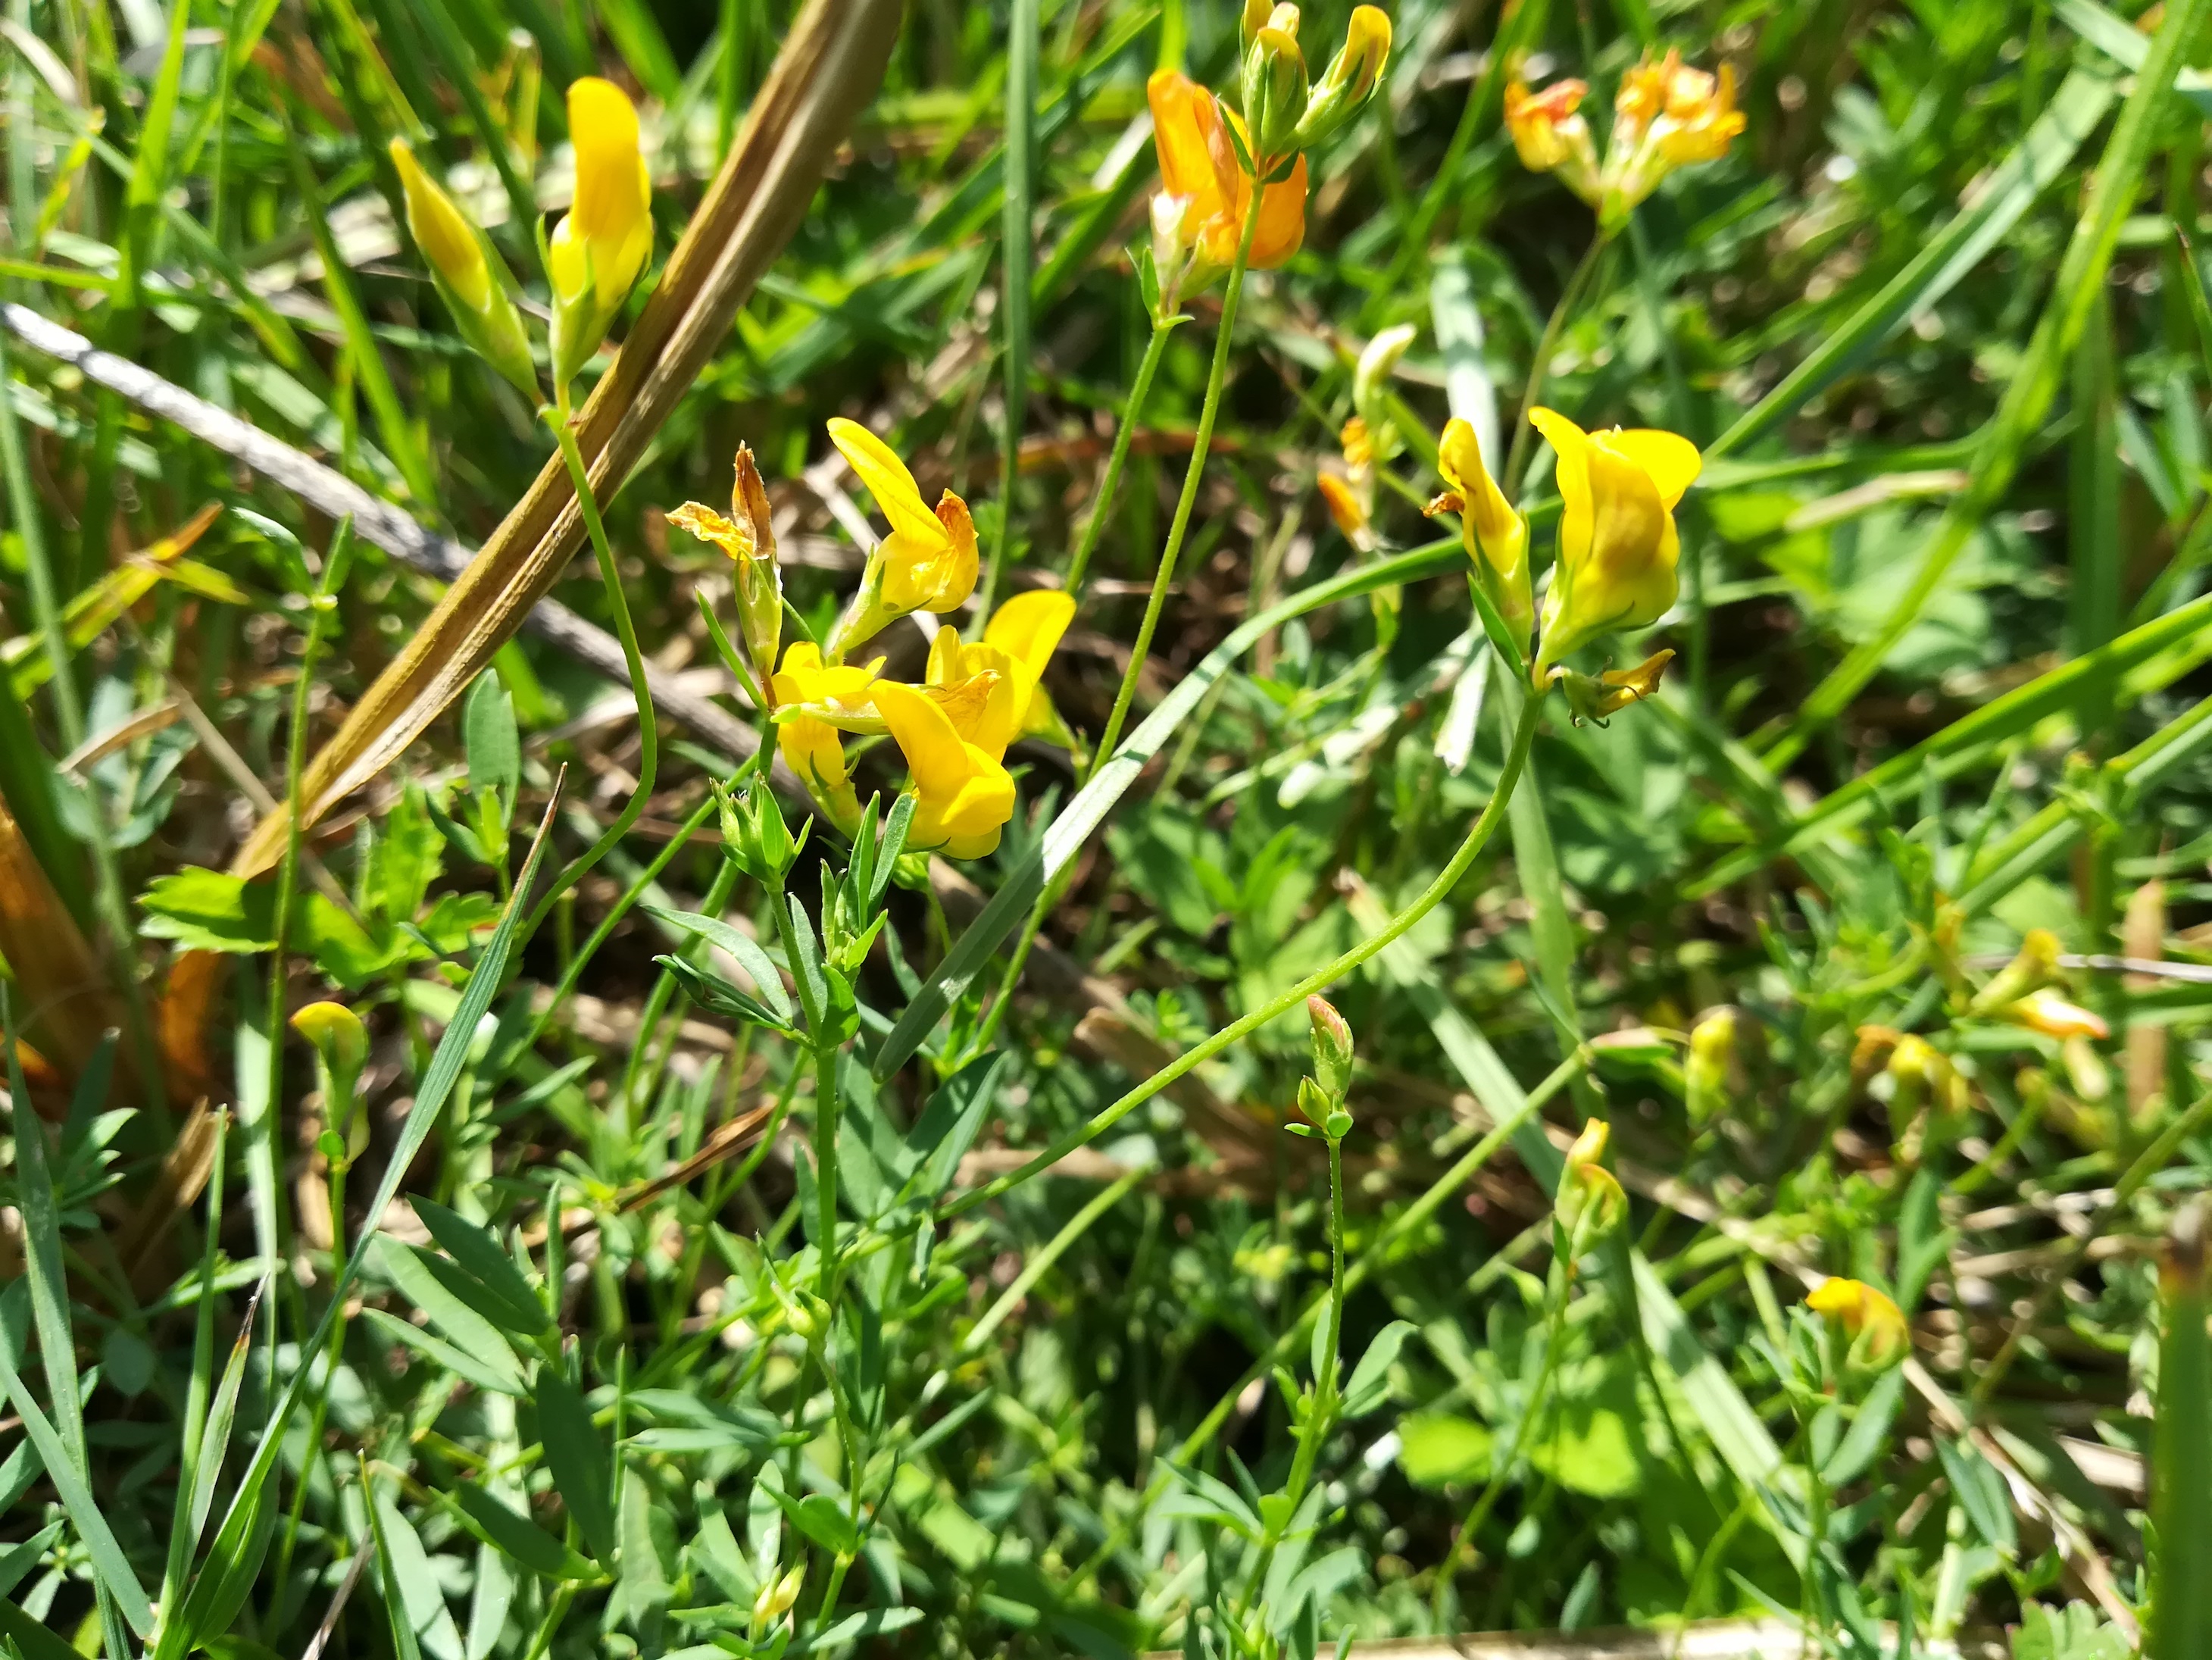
[(1443, 1449), (576, 1453), (490, 1519), (752, 955), (501, 1294)]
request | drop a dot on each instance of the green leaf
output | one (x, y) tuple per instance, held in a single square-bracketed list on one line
[(502, 1295), (1443, 1449), (495, 745), (2181, 1483), (822, 1519), (462, 1363), (1371, 1379), (440, 1296), (752, 955), (576, 1453), (214, 910), (493, 1522)]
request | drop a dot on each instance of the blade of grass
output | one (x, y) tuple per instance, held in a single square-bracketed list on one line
[(2181, 1497), (2120, 176), (1017, 230), (2000, 202)]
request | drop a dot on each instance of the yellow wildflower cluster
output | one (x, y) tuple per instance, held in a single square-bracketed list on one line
[(1666, 115), (976, 698)]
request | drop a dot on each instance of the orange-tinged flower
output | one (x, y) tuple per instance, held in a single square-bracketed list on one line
[(1198, 163), (1702, 118), (1668, 115), (927, 562), (964, 796), (1550, 136), (1496, 537), (1343, 506)]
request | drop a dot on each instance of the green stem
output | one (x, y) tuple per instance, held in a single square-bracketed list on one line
[(648, 732), (1517, 457), (1427, 901), (1201, 444), (827, 1113), (1102, 504)]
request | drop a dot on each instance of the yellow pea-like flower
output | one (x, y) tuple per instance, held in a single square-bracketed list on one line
[(748, 536), (964, 796), (1495, 536), (1668, 115), (927, 562), (1550, 136), (598, 251), (814, 701), (1198, 164), (1017, 644), (1618, 546), (461, 267), (1875, 1325)]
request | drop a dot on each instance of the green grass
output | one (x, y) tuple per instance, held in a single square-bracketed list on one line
[(754, 1238)]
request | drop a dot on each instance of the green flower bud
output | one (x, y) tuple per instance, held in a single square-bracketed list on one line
[(1351, 77), (1332, 1048)]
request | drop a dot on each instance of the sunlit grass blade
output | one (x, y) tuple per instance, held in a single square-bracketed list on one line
[(2000, 202), (2181, 1498), (2034, 384)]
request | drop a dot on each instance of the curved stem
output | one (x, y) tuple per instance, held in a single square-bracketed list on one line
[(1202, 443), (1423, 903), (1517, 457), (648, 732)]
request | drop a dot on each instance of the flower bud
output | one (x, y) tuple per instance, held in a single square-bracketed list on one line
[(1344, 508), (2051, 1015), (1351, 78), (462, 268), (1370, 380), (1589, 1204), (598, 250), (341, 1042), (778, 1596), (1875, 1325), (1495, 536), (1705, 1069), (2034, 966), (1275, 92), (1174, 239), (1332, 1048)]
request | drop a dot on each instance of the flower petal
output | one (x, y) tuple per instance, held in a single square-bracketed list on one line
[(888, 480), (1028, 627), (925, 735), (1672, 460)]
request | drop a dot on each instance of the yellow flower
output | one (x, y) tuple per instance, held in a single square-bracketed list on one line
[(339, 1038), (1017, 644), (1346, 508), (1618, 547), (2034, 966), (1589, 1198), (814, 701), (2047, 1013), (1668, 116), (1351, 76), (748, 537), (1875, 1325), (1496, 537), (599, 249), (928, 561), (1550, 137), (964, 796), (1198, 164), (460, 265)]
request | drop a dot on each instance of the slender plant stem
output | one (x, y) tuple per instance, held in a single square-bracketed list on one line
[(1516, 456), (1201, 444), (649, 734), (1102, 503), (827, 1115), (1423, 903)]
